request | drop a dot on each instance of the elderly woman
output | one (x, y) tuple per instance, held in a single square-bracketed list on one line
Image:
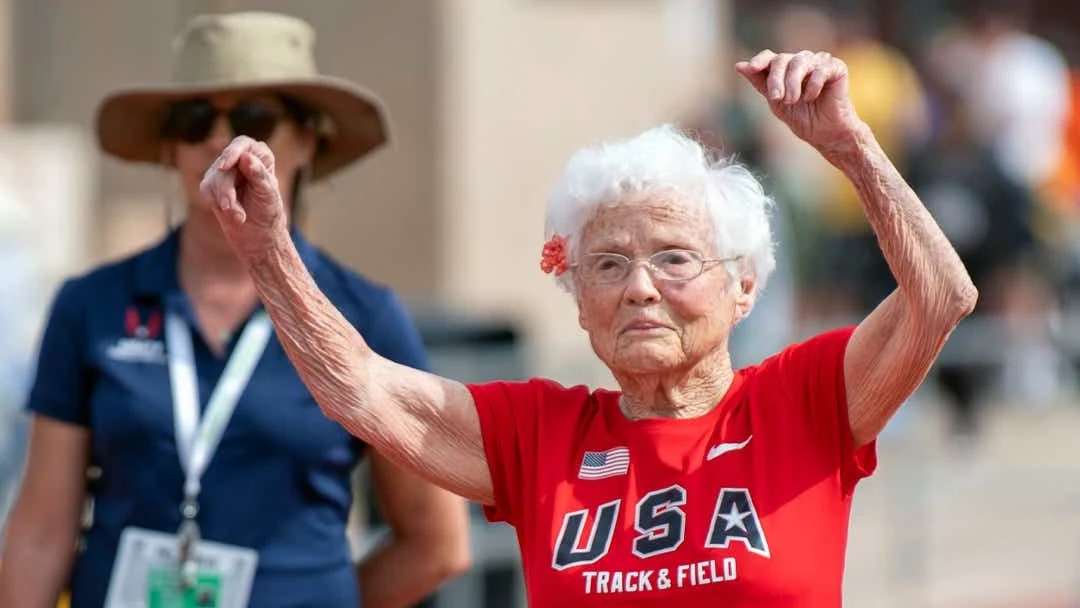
[(695, 484), (212, 454)]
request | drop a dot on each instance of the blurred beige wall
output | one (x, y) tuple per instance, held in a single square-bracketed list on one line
[(487, 99), (6, 58)]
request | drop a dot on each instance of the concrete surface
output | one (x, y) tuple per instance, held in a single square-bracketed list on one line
[(992, 524)]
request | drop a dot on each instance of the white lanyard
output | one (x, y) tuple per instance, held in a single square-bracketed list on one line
[(197, 442)]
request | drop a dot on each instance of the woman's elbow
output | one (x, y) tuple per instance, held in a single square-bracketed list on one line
[(947, 305), (460, 561), (962, 300), (453, 556)]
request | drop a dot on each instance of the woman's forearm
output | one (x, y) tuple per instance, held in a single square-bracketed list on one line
[(401, 573), (35, 562)]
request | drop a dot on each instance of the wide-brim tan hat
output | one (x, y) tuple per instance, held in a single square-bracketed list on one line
[(247, 52)]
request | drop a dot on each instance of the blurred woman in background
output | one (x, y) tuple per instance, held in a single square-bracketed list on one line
[(163, 372)]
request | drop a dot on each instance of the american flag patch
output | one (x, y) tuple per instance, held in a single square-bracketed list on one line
[(609, 463)]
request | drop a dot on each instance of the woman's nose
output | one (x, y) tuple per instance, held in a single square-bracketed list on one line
[(220, 134), (640, 286)]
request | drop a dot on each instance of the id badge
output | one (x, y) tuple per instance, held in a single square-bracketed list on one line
[(146, 574), (167, 590)]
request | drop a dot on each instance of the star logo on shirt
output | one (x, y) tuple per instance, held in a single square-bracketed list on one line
[(734, 518)]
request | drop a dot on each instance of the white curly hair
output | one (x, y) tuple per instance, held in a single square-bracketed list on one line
[(665, 161)]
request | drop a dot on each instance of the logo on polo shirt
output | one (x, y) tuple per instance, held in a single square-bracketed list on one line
[(136, 327), (142, 340)]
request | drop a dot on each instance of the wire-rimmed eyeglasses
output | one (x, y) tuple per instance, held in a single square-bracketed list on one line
[(666, 265)]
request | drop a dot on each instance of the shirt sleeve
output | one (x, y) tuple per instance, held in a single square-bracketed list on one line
[(509, 425), (62, 380), (814, 370)]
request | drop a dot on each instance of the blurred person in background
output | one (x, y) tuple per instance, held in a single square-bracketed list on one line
[(1014, 83), (1014, 89), (695, 484), (163, 372)]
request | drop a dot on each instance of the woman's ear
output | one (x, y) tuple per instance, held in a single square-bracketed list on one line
[(583, 321), (745, 296)]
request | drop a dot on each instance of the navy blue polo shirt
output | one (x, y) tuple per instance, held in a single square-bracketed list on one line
[(279, 481)]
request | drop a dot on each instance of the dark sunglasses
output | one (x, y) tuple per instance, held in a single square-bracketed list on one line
[(192, 120)]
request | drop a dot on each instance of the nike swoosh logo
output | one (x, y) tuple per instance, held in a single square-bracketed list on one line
[(723, 448)]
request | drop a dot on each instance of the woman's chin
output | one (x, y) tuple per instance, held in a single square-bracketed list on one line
[(647, 357)]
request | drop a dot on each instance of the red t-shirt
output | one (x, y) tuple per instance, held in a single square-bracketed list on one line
[(746, 506)]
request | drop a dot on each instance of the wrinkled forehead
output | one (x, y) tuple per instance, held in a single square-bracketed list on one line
[(641, 225)]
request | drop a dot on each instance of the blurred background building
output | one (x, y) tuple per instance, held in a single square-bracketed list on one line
[(975, 502)]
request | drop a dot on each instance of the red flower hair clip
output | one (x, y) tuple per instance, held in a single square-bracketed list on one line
[(553, 257)]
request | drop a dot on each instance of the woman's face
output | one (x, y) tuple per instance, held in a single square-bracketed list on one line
[(645, 324), (262, 116)]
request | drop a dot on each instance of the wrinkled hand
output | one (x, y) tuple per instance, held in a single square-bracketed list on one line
[(808, 92), (243, 190)]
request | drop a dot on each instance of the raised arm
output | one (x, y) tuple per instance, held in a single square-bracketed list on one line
[(893, 349), (424, 423)]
